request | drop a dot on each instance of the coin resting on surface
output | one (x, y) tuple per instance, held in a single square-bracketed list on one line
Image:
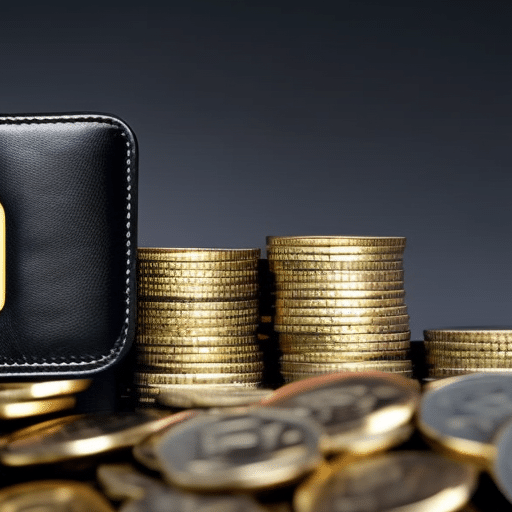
[(31, 390), (27, 408), (280, 265), (336, 240), (341, 311), (393, 482), (257, 449), (468, 335), (196, 254)]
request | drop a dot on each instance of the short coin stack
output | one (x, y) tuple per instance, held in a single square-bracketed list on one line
[(197, 319), (339, 304), (467, 350)]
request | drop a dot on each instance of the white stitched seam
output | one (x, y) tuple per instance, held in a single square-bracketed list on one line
[(118, 346)]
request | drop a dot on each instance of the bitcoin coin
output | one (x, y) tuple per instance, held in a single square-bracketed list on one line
[(18, 391), (145, 378), (318, 339), (339, 320), (318, 241), (354, 410), (461, 416), (340, 286), (77, 436), (49, 495), (196, 254), (341, 329), (342, 311), (195, 341), (345, 356), (335, 276), (403, 480), (469, 335), (333, 249), (280, 265), (256, 449)]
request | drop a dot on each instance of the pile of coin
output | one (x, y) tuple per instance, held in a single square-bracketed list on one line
[(197, 319), (339, 304), (467, 350)]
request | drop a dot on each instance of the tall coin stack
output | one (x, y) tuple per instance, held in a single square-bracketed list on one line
[(452, 352), (197, 319), (340, 304)]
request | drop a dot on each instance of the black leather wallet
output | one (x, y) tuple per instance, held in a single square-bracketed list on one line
[(68, 187)]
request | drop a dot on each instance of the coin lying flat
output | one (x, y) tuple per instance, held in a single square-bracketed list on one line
[(197, 314), (280, 265), (462, 415), (273, 250), (337, 294), (341, 311), (376, 256), (145, 378), (208, 340), (199, 306), (194, 350), (342, 329), (394, 482), (320, 241), (145, 265), (311, 304), (338, 276), (17, 391), (177, 331), (468, 335), (356, 411), (340, 286), (327, 356), (319, 338), (78, 436), (199, 254), (340, 320), (51, 496), (257, 449), (178, 360), (27, 408), (338, 348)]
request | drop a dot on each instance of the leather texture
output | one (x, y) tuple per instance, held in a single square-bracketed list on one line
[(68, 184)]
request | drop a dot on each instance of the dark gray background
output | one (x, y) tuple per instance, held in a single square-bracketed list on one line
[(360, 117)]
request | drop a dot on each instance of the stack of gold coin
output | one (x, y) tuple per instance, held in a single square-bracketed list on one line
[(467, 350), (340, 304), (197, 319)]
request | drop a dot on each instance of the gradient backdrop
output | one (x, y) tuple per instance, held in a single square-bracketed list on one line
[(255, 118)]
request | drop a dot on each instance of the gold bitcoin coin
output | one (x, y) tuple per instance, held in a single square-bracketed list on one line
[(340, 320), (383, 366), (144, 378), (341, 329), (196, 254), (195, 350), (317, 339), (19, 391), (469, 335), (345, 356), (304, 293), (311, 304), (198, 306), (25, 409), (73, 437), (338, 312), (195, 341), (335, 348), (334, 241), (398, 481), (332, 249), (277, 266), (377, 256), (53, 495), (335, 276), (152, 359), (234, 330)]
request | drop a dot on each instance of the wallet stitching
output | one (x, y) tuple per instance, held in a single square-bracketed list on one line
[(130, 153)]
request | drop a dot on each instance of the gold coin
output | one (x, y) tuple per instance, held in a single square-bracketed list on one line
[(27, 408), (332, 249), (323, 294), (147, 288), (195, 350), (189, 314), (317, 339), (340, 320), (196, 254), (211, 396), (439, 372), (248, 292), (18, 391), (476, 346), (259, 448), (195, 341), (340, 286), (206, 275), (48, 495), (335, 241), (481, 362), (280, 265), (185, 282), (382, 366), (77, 436), (292, 377), (226, 305), (354, 410), (397, 481), (470, 353), (228, 265), (312, 304), (172, 323), (462, 416), (468, 335), (341, 329), (234, 330), (335, 276), (144, 378), (335, 348), (345, 356), (337, 312), (151, 359), (377, 256), (176, 368)]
